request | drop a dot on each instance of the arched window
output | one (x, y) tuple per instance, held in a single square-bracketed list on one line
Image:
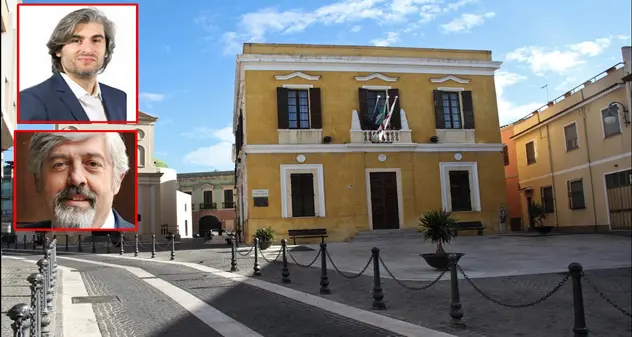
[(141, 156)]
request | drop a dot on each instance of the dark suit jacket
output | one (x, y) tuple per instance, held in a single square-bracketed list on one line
[(119, 222), (53, 100)]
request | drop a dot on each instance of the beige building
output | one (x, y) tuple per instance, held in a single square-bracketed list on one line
[(573, 154), (213, 199), (9, 87), (161, 207)]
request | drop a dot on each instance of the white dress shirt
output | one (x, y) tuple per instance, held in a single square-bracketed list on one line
[(109, 222), (92, 103)]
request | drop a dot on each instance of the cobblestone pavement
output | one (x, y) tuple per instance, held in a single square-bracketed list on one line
[(268, 314), (16, 289), (142, 311), (430, 308)]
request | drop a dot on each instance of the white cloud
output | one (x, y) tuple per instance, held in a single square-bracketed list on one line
[(542, 60), (218, 155), (466, 22), (224, 134), (567, 84), (508, 111), (391, 37), (255, 26), (151, 97), (355, 29)]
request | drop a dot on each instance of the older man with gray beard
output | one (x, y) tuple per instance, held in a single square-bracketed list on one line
[(77, 174)]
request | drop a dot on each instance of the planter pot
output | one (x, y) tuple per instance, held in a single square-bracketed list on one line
[(263, 245), (439, 262), (544, 229)]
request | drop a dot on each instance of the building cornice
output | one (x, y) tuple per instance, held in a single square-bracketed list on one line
[(371, 64), (361, 147)]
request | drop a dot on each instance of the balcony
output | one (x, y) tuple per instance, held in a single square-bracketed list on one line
[(228, 204), (402, 136), (208, 206)]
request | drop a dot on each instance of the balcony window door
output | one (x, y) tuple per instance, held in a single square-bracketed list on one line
[(370, 106)]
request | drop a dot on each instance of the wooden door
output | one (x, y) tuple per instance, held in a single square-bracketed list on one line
[(384, 205)]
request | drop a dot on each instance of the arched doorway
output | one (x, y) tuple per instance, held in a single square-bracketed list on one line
[(209, 222)]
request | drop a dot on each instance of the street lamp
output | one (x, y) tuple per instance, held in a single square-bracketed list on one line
[(613, 108)]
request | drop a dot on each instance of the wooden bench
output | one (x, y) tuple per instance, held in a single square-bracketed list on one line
[(307, 233), (467, 226)]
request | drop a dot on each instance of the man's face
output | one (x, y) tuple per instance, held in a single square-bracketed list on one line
[(78, 183), (83, 56)]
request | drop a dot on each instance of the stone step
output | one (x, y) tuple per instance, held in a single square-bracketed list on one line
[(386, 234)]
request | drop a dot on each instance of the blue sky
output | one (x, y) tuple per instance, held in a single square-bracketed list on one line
[(187, 53)]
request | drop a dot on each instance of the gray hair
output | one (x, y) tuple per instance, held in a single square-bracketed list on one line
[(66, 27), (42, 143)]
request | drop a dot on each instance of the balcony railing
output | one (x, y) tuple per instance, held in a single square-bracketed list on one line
[(402, 136), (228, 204), (371, 136), (208, 206)]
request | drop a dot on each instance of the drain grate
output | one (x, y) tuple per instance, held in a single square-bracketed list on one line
[(148, 277), (95, 299)]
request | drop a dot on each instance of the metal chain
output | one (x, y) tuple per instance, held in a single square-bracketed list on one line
[(247, 253), (514, 306), (410, 287), (602, 295), (350, 276), (160, 247), (305, 265), (270, 261)]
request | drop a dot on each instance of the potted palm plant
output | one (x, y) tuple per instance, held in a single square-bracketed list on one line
[(436, 227), (537, 212), (265, 236)]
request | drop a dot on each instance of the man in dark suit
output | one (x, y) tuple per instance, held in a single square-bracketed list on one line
[(77, 175), (80, 47)]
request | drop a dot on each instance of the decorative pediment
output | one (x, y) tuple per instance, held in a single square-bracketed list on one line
[(449, 78), (376, 75), (297, 74)]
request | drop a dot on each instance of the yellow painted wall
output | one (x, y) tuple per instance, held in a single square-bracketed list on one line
[(606, 155), (339, 97), (298, 49), (346, 208)]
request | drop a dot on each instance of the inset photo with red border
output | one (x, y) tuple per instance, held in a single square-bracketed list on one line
[(77, 63), (79, 180)]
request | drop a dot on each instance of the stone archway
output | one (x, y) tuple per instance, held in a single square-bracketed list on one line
[(207, 223)]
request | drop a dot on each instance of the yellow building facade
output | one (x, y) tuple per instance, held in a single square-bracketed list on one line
[(306, 150), (573, 155)]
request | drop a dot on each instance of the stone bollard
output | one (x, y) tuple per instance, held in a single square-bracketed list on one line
[(153, 246), (378, 296), (79, 246), (256, 267), (456, 312), (324, 279), (20, 314), (233, 256), (51, 271), (579, 328), (107, 245), (136, 245), (173, 247), (45, 246), (285, 271), (36, 281), (44, 320), (122, 243)]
